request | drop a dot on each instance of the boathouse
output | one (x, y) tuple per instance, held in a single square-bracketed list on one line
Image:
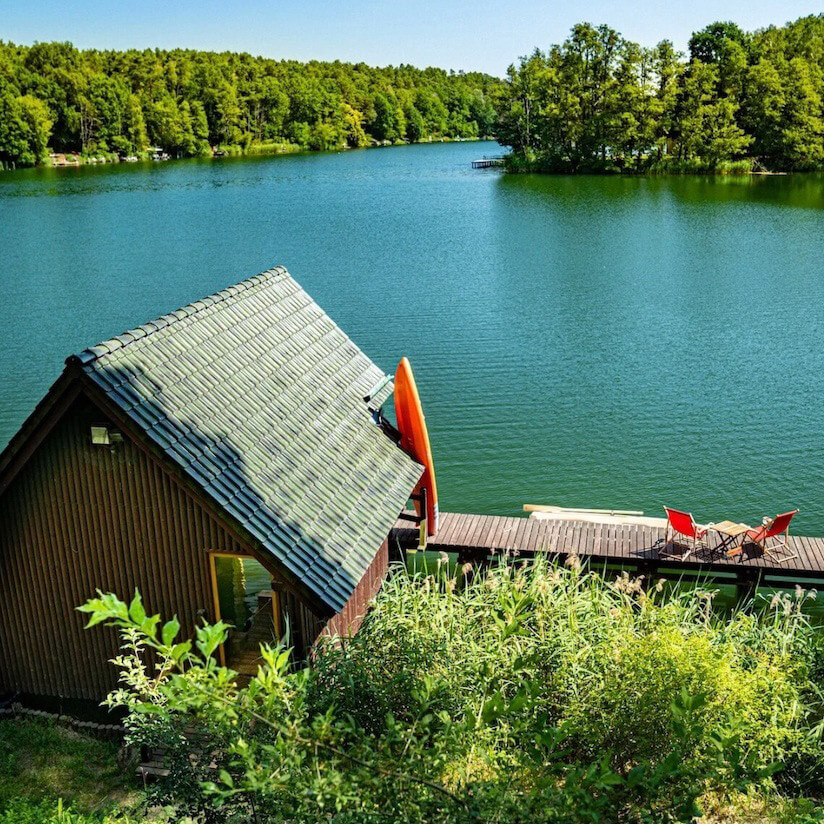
[(245, 426)]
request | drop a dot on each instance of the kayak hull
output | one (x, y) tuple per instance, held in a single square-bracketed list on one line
[(415, 440)]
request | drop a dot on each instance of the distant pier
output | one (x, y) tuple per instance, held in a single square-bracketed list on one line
[(487, 162)]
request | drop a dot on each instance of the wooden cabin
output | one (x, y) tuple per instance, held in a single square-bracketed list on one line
[(243, 428)]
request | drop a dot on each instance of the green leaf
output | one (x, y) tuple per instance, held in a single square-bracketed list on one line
[(770, 769), (493, 708), (170, 631), (136, 611), (148, 626), (210, 637), (98, 613), (610, 779), (519, 701), (181, 649)]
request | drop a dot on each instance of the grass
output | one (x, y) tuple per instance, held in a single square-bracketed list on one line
[(43, 765), (740, 808), (605, 659)]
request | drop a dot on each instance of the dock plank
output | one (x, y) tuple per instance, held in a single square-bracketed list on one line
[(600, 542)]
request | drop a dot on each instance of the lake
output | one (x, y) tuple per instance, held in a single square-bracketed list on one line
[(584, 341)]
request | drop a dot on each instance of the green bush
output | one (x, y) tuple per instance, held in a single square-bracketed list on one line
[(536, 694), (23, 811)]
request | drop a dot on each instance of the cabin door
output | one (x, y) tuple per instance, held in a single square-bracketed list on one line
[(245, 599)]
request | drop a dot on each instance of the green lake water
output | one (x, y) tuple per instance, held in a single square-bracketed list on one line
[(583, 341)]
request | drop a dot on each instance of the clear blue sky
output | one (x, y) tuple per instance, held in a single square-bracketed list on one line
[(458, 34)]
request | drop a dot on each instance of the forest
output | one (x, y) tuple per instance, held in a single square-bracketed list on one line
[(56, 98), (737, 101)]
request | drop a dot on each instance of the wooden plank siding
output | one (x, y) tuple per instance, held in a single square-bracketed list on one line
[(307, 626), (80, 517), (350, 618), (476, 537)]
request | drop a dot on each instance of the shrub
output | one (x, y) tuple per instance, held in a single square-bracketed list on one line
[(537, 694)]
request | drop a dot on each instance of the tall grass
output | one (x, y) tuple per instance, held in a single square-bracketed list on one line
[(525, 693), (604, 661)]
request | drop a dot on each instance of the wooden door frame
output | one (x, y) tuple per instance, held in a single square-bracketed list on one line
[(276, 618)]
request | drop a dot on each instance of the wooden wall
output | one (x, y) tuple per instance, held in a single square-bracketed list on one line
[(80, 517), (347, 621)]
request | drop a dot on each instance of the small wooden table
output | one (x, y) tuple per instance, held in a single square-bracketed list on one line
[(731, 530)]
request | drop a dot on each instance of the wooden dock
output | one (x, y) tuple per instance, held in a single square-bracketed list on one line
[(635, 547), (487, 162)]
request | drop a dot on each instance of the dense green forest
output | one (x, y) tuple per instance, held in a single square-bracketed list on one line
[(598, 102), (54, 96)]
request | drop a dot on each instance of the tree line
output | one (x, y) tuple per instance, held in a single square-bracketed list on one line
[(56, 97), (595, 103), (599, 103)]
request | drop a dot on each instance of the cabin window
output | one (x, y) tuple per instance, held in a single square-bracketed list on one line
[(100, 435), (104, 436)]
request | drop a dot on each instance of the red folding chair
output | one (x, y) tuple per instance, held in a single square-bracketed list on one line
[(776, 530), (682, 523)]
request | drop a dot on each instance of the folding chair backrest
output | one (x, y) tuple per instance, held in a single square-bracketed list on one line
[(681, 521), (780, 524)]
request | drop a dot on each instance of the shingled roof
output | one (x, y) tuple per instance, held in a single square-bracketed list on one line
[(259, 397)]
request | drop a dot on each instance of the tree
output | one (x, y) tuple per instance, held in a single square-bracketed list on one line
[(35, 115), (227, 115), (632, 131), (352, 127), (711, 43), (707, 129), (763, 110), (165, 125), (415, 124), (14, 144), (134, 126), (668, 73), (387, 123), (106, 102), (560, 107), (200, 127), (529, 82), (802, 132)]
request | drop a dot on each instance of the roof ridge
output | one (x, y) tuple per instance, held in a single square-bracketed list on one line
[(106, 347)]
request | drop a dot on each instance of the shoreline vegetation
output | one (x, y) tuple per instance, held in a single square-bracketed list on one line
[(739, 102), (61, 105), (72, 159), (538, 693)]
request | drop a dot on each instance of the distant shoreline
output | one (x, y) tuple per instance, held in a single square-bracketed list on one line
[(69, 160)]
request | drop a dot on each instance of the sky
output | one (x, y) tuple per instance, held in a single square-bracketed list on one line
[(452, 34)]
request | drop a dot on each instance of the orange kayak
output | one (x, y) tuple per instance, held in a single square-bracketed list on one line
[(415, 440)]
